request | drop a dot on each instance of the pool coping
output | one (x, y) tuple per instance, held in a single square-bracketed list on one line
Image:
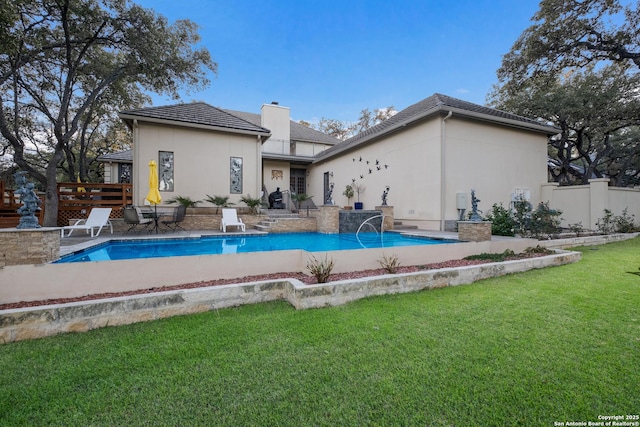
[(43, 321)]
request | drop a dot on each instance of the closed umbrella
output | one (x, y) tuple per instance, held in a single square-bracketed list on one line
[(153, 196)]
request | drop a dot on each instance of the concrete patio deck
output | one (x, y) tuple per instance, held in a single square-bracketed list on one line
[(94, 277)]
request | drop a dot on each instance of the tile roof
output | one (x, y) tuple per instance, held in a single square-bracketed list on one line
[(298, 132), (125, 156), (197, 113), (438, 104)]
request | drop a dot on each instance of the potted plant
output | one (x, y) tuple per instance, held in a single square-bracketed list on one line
[(348, 193), (359, 188)]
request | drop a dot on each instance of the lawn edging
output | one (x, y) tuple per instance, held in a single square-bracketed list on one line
[(42, 321)]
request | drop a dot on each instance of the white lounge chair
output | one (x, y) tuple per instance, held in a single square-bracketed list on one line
[(230, 218), (98, 218)]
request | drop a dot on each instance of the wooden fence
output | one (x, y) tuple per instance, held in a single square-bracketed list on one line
[(76, 200)]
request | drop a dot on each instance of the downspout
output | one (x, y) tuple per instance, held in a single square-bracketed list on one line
[(443, 158), (259, 171), (135, 173)]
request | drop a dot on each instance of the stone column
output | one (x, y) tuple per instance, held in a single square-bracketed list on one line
[(328, 219), (474, 231), (29, 246), (387, 211)]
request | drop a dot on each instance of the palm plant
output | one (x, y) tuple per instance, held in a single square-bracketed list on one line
[(219, 201), (253, 204), (187, 202), (300, 198)]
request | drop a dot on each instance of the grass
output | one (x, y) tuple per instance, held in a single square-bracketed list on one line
[(553, 345)]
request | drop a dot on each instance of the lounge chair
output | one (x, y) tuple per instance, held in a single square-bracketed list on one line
[(178, 216), (134, 218), (230, 218), (98, 218)]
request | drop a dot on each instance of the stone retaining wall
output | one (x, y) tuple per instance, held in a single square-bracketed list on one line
[(36, 322), (29, 246)]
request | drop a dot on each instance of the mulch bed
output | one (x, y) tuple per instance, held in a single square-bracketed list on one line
[(304, 278)]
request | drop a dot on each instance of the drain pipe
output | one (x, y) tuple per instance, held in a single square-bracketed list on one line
[(443, 158)]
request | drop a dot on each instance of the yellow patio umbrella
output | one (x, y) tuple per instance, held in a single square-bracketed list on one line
[(80, 189), (153, 196)]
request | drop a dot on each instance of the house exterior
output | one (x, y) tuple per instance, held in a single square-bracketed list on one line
[(203, 150), (430, 156)]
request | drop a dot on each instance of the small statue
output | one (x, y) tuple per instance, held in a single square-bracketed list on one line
[(330, 194), (475, 216), (30, 202), (385, 193)]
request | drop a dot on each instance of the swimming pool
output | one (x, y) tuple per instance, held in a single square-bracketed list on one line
[(211, 245)]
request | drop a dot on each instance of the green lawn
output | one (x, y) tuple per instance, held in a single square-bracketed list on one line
[(553, 345)]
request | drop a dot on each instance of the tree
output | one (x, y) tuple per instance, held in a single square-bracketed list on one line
[(344, 130), (598, 113), (573, 34), (60, 58)]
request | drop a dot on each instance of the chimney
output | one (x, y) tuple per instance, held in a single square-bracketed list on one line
[(277, 120)]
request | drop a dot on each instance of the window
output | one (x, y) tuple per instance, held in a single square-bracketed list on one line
[(235, 174), (165, 170)]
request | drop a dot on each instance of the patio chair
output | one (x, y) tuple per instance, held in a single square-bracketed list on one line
[(133, 217), (98, 218), (178, 216), (230, 218)]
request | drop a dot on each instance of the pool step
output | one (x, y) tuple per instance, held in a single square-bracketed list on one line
[(397, 225)]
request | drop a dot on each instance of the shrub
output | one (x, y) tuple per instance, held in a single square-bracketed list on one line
[(538, 250), (544, 221), (625, 222), (503, 223), (389, 263), (611, 223), (522, 216), (320, 269), (492, 257), (576, 228)]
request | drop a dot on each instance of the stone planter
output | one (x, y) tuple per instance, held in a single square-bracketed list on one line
[(474, 231)]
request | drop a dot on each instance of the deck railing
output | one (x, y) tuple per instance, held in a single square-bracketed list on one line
[(75, 200)]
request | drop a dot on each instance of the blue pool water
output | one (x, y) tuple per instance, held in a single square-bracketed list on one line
[(209, 245)]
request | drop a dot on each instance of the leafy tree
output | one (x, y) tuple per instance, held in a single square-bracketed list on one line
[(597, 112), (573, 34), (344, 130), (60, 58)]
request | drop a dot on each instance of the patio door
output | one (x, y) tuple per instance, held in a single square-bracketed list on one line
[(298, 181)]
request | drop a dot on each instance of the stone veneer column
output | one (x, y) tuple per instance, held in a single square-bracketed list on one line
[(328, 219), (29, 245), (474, 231), (387, 211)]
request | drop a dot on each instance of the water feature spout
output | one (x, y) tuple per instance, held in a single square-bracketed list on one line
[(366, 221)]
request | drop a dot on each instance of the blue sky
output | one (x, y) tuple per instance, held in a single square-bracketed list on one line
[(334, 58)]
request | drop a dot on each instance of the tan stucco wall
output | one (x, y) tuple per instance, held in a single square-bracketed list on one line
[(413, 173), (271, 182), (495, 161), (585, 204), (201, 161)]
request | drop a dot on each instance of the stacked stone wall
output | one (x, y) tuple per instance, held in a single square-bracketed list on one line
[(29, 246)]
